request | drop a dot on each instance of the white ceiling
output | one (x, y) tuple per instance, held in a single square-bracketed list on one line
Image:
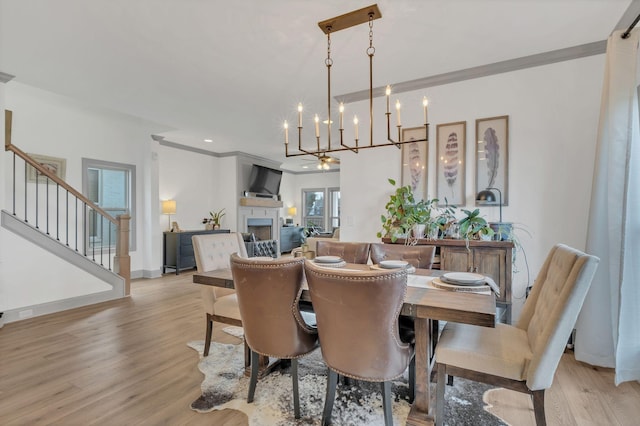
[(232, 71)]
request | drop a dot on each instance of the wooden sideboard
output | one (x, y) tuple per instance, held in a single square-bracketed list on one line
[(491, 258), (177, 249)]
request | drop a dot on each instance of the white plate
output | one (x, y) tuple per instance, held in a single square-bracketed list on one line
[(463, 277), (438, 283), (393, 264), (327, 259)]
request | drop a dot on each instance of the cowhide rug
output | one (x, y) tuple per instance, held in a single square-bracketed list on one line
[(226, 386)]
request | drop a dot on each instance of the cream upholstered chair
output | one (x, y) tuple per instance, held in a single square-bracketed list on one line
[(268, 293), (357, 315), (418, 256), (351, 252), (523, 357), (212, 252)]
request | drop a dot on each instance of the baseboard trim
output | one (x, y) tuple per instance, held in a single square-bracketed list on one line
[(27, 312)]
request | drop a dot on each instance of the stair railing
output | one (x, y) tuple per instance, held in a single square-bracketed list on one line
[(68, 216)]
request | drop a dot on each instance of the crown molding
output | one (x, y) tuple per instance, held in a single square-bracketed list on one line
[(560, 55), (628, 16), (5, 78)]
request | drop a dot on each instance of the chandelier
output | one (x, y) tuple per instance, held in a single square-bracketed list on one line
[(357, 17)]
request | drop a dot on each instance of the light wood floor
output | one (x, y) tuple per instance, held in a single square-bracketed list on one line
[(127, 362)]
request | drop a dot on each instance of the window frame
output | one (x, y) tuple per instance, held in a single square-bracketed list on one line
[(89, 163)]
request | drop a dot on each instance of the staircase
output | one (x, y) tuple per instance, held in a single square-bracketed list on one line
[(50, 213)]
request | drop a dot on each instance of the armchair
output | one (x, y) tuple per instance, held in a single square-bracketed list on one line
[(523, 357)]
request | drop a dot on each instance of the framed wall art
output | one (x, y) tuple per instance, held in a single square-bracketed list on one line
[(492, 155), (450, 171), (414, 162), (57, 166)]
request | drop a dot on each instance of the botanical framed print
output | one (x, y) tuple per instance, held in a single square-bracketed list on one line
[(492, 155), (414, 162), (57, 166), (450, 171)]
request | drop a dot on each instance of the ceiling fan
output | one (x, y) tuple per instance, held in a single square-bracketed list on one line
[(324, 161)]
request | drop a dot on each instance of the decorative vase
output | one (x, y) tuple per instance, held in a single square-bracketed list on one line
[(208, 226), (418, 230), (216, 226)]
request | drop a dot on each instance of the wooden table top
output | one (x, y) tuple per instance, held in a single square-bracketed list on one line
[(468, 308)]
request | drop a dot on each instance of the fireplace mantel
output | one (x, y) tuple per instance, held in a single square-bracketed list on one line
[(260, 202)]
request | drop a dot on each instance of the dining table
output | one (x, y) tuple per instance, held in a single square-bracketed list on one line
[(425, 304)]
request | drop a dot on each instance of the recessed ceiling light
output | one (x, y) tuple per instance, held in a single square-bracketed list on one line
[(305, 167), (208, 140)]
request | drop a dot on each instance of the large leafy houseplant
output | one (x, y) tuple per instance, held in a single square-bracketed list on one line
[(403, 211)]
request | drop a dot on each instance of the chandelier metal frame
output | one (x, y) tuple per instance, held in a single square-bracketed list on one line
[(348, 20)]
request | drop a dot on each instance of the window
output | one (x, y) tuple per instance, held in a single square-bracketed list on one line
[(316, 211), (334, 208), (313, 208), (111, 186)]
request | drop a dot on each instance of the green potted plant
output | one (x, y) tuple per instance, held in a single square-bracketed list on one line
[(445, 220), (403, 213), (397, 223), (474, 227), (213, 221)]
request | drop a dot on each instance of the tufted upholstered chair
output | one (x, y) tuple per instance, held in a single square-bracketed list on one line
[(523, 357), (268, 293), (350, 252), (357, 315), (417, 256), (212, 252)]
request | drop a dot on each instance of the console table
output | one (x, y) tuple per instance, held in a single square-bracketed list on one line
[(177, 249), (491, 258)]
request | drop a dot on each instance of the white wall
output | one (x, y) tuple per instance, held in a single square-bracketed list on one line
[(553, 116), (49, 124), (190, 179), (292, 185)]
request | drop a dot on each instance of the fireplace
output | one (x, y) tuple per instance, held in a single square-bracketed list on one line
[(261, 228), (262, 217)]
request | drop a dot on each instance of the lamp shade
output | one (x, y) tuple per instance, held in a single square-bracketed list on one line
[(292, 211), (169, 207), (486, 197)]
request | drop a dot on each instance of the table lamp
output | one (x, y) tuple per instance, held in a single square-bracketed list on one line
[(169, 208), (487, 197), (292, 211)]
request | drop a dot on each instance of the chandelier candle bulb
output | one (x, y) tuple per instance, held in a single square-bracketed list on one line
[(425, 102), (317, 120), (341, 115), (398, 111), (299, 115), (286, 132), (388, 93), (355, 125)]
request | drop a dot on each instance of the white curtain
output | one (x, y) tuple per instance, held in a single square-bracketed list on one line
[(608, 329)]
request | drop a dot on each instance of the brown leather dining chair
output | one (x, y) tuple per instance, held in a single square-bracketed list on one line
[(268, 293), (523, 357), (213, 252), (357, 316), (417, 256), (350, 252)]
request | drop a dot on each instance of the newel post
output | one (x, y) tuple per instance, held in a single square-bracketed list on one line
[(122, 260)]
